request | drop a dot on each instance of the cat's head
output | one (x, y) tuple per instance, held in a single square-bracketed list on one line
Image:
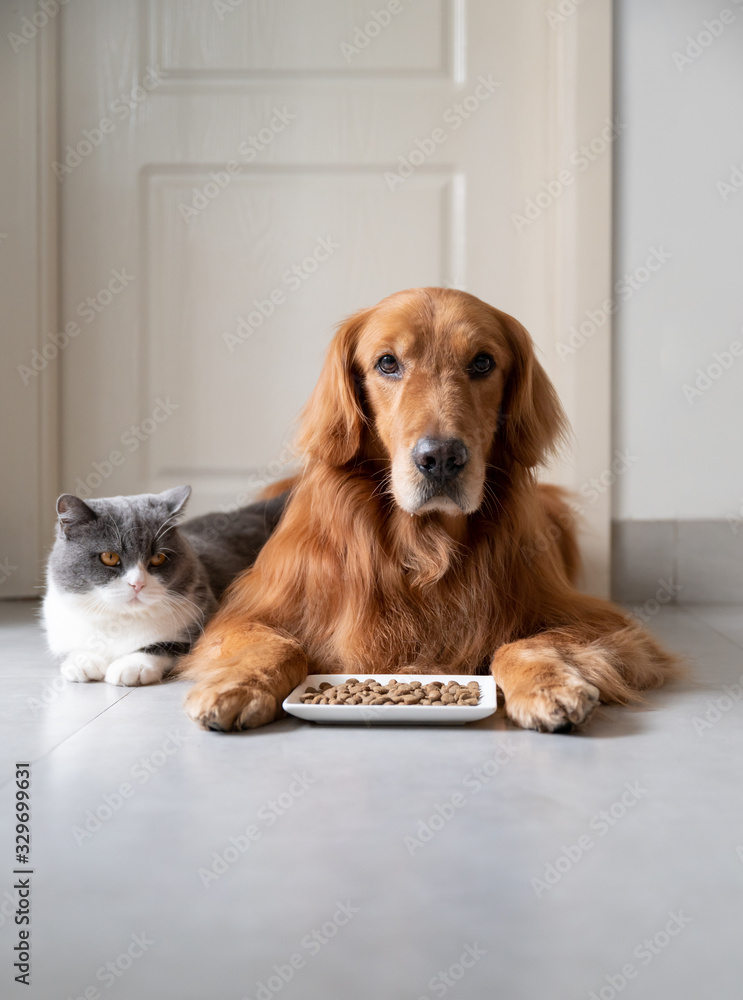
[(124, 553)]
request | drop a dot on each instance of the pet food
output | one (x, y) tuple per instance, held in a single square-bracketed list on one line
[(392, 692)]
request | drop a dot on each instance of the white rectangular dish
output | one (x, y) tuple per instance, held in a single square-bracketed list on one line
[(429, 715)]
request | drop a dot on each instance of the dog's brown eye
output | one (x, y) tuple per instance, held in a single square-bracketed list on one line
[(388, 365), (481, 365)]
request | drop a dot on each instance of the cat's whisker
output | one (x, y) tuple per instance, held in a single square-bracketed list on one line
[(199, 612), (167, 524)]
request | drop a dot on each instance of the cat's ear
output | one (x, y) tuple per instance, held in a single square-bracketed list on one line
[(72, 512), (175, 499)]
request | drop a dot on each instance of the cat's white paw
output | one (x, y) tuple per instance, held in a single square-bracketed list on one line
[(82, 666), (137, 668)]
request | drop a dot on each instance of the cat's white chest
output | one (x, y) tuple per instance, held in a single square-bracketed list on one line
[(71, 624)]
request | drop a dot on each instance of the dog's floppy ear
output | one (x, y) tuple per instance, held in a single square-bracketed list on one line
[(333, 419), (533, 420)]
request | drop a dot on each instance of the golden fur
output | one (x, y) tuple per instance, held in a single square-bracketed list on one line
[(369, 573)]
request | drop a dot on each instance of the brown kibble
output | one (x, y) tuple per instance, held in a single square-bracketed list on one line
[(393, 692)]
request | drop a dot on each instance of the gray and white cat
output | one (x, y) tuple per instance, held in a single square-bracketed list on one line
[(129, 588)]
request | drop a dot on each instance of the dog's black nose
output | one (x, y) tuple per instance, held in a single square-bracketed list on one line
[(440, 460)]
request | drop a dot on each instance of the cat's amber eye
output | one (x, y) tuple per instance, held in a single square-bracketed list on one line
[(158, 559), (110, 558)]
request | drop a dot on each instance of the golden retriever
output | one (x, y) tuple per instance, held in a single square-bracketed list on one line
[(417, 539)]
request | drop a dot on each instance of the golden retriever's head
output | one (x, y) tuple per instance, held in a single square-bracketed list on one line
[(441, 386)]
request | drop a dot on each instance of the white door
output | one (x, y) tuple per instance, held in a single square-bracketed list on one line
[(236, 177)]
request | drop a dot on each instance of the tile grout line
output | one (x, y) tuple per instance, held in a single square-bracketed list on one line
[(35, 760), (685, 608)]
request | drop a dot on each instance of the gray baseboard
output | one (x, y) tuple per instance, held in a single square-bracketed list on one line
[(680, 562)]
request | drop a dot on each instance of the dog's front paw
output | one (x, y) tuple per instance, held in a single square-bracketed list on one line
[(559, 699), (136, 669), (229, 705), (81, 666)]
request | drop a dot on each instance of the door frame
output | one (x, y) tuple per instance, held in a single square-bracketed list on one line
[(28, 124)]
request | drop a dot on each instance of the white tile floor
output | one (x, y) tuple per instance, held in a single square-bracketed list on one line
[(328, 890)]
